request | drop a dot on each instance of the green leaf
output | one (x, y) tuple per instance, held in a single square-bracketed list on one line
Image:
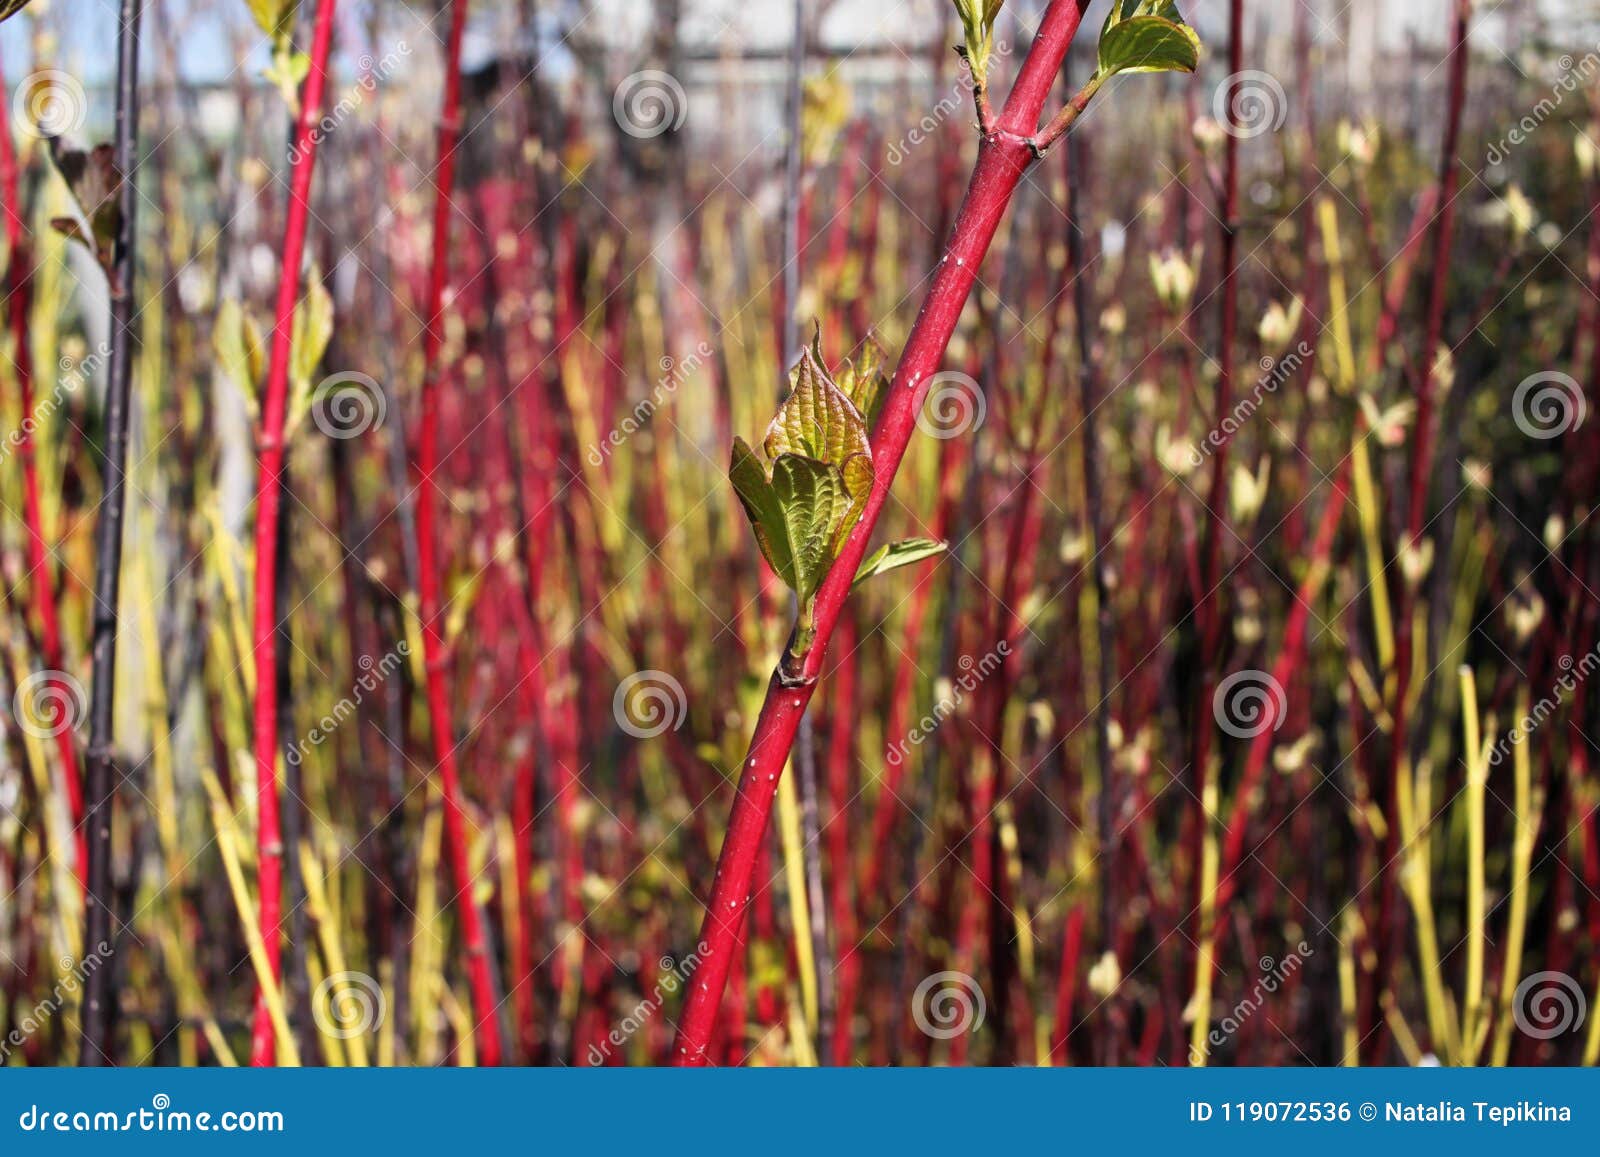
[(818, 419), (1147, 36), (313, 330), (274, 17), (802, 513), (894, 555), (765, 512), (821, 475), (815, 502), (240, 350)]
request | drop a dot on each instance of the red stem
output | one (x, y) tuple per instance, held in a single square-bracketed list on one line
[(1209, 613), (436, 651), (269, 497), (1067, 985), (1003, 157), (1289, 661), (19, 296)]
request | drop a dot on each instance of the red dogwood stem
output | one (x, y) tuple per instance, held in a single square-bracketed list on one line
[(1003, 157), (436, 651), (19, 294), (269, 499)]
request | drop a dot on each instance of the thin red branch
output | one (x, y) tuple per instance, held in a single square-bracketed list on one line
[(436, 653), (269, 499)]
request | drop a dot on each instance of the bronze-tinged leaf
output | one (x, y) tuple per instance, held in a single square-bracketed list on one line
[(95, 182), (858, 475), (817, 420)]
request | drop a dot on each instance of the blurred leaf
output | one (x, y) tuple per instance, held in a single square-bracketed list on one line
[(95, 183), (824, 109), (274, 17), (461, 601), (313, 329), (894, 555), (239, 348), (287, 70)]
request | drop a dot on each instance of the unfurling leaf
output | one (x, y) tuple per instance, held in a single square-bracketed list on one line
[(804, 505), (894, 555), (817, 419), (977, 25), (1146, 36)]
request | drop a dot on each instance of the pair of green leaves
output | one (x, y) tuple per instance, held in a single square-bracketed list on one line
[(807, 498), (1138, 36), (1146, 36)]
